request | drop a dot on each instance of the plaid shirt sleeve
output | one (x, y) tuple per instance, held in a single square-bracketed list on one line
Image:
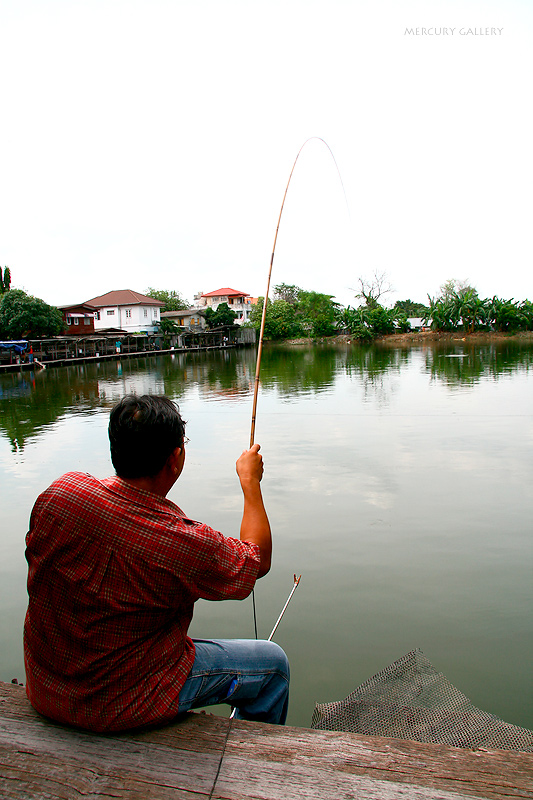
[(113, 574)]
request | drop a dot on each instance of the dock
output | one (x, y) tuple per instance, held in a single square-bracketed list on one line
[(206, 757)]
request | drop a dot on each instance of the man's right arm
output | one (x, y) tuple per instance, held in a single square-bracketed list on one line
[(255, 526)]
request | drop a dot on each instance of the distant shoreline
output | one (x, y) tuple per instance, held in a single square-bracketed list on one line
[(420, 337)]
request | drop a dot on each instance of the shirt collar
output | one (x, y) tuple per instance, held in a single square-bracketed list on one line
[(141, 496)]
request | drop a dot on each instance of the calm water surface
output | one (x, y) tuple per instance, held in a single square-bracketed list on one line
[(399, 483)]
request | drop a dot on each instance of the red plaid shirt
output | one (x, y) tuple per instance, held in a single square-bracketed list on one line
[(113, 576)]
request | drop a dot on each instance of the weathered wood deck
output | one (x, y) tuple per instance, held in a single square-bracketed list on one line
[(208, 757)]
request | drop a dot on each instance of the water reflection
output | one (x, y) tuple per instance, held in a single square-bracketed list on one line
[(30, 401), (467, 363), (294, 370)]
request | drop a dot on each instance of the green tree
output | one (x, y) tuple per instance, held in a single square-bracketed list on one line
[(369, 322), (317, 312), (222, 316), (410, 308), (5, 280), (173, 300), (526, 312), (281, 320), (474, 312), (24, 316), (508, 315)]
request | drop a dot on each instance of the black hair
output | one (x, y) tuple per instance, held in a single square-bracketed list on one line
[(143, 432)]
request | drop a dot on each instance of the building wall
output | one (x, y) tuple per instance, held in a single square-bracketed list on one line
[(78, 326), (128, 318)]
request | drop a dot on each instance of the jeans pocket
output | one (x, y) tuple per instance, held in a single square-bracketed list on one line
[(234, 685)]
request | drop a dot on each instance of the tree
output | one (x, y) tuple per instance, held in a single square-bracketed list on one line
[(453, 288), (295, 312), (280, 320), (24, 316), (369, 322), (473, 311), (508, 315), (317, 311), (222, 316), (288, 292), (410, 308), (5, 280), (173, 300), (371, 289), (169, 326)]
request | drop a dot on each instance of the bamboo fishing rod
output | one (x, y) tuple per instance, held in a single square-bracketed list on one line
[(265, 301), (262, 334)]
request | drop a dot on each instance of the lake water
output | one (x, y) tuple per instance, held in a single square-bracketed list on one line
[(399, 484)]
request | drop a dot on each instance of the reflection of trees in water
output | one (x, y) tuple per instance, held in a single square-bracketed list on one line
[(30, 402), (300, 370), (374, 366), (223, 373), (466, 363)]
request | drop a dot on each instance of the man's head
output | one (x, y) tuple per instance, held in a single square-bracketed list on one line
[(143, 432)]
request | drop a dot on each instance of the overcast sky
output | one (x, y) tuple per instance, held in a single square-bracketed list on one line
[(149, 142)]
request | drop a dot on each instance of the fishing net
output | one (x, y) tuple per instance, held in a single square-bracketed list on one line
[(410, 699)]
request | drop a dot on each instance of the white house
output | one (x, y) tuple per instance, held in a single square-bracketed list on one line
[(126, 310), (239, 302)]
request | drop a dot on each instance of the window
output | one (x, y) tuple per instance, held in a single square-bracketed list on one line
[(145, 312), (69, 321), (97, 315), (86, 321), (110, 312), (76, 321), (128, 313)]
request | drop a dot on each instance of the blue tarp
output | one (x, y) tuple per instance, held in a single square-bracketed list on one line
[(19, 346)]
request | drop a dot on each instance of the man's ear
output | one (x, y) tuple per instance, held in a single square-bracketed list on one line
[(172, 460), (175, 461)]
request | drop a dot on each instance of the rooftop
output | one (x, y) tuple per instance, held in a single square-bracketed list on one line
[(123, 297), (226, 293)]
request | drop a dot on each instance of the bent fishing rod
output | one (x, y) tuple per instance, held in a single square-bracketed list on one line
[(265, 301), (262, 334)]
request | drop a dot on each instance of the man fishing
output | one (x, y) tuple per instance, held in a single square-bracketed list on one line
[(114, 571)]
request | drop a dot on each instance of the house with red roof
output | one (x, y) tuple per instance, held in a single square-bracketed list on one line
[(239, 302), (126, 310)]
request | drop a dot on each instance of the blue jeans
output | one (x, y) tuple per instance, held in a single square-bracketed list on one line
[(250, 674)]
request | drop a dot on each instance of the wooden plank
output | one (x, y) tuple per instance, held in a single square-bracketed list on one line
[(261, 761), (41, 760), (50, 761)]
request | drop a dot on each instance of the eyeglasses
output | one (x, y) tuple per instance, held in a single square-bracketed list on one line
[(186, 440)]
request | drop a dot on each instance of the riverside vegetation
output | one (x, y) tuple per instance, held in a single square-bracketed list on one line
[(295, 313)]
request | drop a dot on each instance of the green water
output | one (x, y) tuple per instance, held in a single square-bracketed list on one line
[(399, 484)]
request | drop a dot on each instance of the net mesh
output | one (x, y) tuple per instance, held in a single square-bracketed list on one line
[(410, 699)]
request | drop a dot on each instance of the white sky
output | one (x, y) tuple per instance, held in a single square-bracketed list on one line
[(149, 142)]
